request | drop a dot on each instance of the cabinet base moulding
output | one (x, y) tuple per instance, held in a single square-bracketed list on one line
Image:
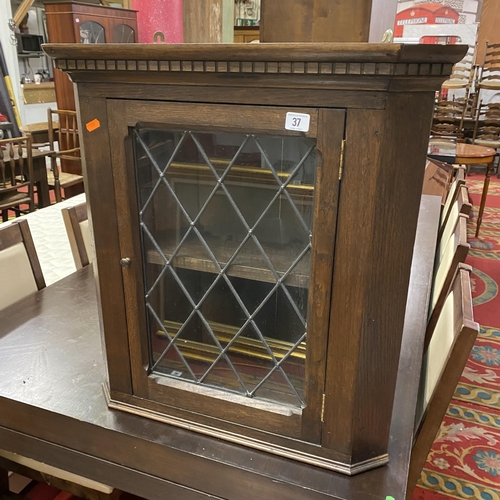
[(245, 441)]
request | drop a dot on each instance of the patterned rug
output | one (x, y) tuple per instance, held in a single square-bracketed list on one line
[(464, 461)]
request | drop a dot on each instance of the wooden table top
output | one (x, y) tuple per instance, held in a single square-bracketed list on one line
[(474, 151), (53, 408)]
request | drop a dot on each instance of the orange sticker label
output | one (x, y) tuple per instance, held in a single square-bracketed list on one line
[(93, 125)]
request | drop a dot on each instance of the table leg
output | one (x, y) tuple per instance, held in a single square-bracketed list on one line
[(486, 186), (4, 480)]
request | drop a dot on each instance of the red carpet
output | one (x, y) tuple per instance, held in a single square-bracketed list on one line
[(464, 461)]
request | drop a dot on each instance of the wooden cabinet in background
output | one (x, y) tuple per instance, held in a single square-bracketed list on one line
[(73, 22), (254, 209), (246, 34)]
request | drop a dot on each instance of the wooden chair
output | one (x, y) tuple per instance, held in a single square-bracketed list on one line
[(67, 138), (16, 176), (77, 228), (448, 119), (488, 75), (20, 269), (438, 177), (455, 181), (452, 252), (452, 339), (68, 482), (460, 204), (487, 125), (462, 74)]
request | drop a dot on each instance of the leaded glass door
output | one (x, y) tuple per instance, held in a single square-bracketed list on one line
[(224, 238)]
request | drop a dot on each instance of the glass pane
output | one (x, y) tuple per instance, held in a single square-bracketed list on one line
[(226, 223), (123, 33), (91, 32)]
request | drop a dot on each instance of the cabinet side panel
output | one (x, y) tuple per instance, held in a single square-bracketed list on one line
[(103, 216), (357, 200), (399, 190), (379, 200)]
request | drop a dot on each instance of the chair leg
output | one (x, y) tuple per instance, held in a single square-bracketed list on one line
[(57, 190), (486, 186), (5, 215)]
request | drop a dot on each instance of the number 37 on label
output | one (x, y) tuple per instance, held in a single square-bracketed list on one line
[(297, 121)]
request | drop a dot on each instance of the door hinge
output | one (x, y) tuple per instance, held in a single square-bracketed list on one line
[(323, 409), (341, 166)]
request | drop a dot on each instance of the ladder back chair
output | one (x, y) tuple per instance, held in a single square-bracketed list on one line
[(488, 76), (462, 74), (66, 135), (16, 176), (487, 125), (452, 339), (19, 265), (77, 228), (448, 119)]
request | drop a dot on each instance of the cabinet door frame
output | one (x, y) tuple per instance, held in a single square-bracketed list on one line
[(327, 126)]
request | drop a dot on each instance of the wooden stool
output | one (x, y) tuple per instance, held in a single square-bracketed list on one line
[(471, 154)]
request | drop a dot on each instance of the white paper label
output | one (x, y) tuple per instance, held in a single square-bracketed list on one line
[(175, 373), (298, 122)]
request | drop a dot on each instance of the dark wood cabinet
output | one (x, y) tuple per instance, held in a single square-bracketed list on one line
[(74, 22), (254, 210)]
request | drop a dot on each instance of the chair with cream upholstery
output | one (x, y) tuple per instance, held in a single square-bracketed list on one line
[(457, 203), (20, 269), (453, 252), (458, 179), (77, 228), (68, 482), (21, 275), (452, 339)]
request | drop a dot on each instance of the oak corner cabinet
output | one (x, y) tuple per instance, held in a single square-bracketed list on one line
[(254, 209)]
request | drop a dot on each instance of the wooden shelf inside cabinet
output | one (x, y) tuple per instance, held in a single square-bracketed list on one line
[(302, 363), (193, 256)]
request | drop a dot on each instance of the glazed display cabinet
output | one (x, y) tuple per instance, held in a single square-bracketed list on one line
[(76, 22), (254, 210)]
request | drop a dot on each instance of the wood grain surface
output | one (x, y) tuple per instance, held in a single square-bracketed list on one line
[(53, 408), (272, 52)]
